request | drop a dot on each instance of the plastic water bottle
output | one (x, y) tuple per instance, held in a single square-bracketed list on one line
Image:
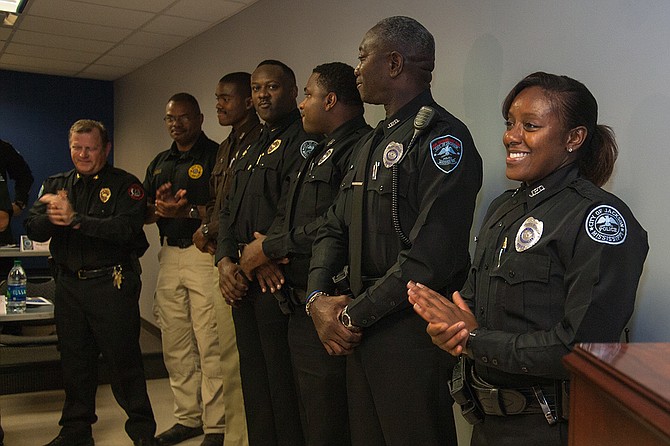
[(16, 289)]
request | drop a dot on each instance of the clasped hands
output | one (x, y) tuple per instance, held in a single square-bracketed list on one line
[(234, 278), (168, 205), (449, 323), (59, 209)]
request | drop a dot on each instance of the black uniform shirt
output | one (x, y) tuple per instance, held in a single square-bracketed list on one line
[(312, 192), (567, 273), (13, 165), (185, 170), (261, 179), (111, 204), (438, 181)]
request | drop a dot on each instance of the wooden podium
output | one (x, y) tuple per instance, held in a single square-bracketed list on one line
[(619, 394)]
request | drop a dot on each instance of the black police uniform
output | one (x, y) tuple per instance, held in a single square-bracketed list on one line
[(321, 377), (396, 376), (97, 291), (12, 166), (557, 263), (261, 179), (188, 170)]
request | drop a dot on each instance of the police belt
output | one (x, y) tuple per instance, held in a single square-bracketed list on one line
[(84, 274), (177, 242), (551, 401)]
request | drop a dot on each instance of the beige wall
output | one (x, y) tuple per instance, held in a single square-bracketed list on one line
[(617, 48)]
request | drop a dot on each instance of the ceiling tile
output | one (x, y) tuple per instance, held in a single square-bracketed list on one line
[(142, 52), (212, 11), (176, 26), (88, 13), (36, 51), (62, 65), (34, 38), (143, 5), (121, 61), (102, 72), (74, 29), (161, 41)]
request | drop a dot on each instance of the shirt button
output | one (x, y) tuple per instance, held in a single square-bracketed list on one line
[(381, 187), (500, 224), (511, 274), (485, 359), (481, 311), (365, 321), (373, 317), (524, 369), (495, 361), (392, 304)]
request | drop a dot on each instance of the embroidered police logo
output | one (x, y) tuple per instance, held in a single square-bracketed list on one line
[(105, 194), (604, 224), (325, 156), (446, 152), (529, 234), (307, 147), (195, 171), (274, 146), (392, 153), (136, 192)]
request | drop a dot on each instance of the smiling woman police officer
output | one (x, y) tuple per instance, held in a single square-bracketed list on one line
[(557, 262)]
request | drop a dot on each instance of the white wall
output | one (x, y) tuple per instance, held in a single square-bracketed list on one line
[(617, 48)]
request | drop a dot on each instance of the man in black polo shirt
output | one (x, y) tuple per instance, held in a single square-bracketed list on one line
[(177, 185)]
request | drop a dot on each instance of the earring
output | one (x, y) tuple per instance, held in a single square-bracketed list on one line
[(570, 149)]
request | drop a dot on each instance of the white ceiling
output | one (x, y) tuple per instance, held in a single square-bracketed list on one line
[(104, 39)]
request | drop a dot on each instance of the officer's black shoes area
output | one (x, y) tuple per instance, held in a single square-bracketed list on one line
[(71, 440), (146, 442), (178, 433), (212, 440)]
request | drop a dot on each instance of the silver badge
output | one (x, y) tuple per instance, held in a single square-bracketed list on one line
[(529, 234), (392, 153), (325, 156)]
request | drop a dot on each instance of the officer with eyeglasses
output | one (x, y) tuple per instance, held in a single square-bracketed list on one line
[(177, 185)]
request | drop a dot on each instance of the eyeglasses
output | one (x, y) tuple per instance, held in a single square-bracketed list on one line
[(182, 119)]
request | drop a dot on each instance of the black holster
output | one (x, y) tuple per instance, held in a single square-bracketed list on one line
[(460, 390)]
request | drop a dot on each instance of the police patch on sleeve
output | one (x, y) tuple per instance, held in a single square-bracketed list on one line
[(446, 152), (136, 192), (307, 147), (605, 224)]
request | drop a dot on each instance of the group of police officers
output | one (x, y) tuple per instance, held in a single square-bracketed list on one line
[(308, 226)]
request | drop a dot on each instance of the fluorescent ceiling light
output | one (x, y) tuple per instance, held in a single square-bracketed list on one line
[(12, 5)]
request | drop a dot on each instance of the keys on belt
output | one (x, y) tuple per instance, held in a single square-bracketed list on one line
[(115, 271)]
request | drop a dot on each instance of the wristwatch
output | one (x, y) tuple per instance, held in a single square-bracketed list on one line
[(193, 212), (345, 319), (76, 219), (205, 230)]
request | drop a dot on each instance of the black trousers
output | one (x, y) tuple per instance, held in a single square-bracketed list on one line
[(93, 317), (397, 386), (322, 384), (268, 386), (519, 430)]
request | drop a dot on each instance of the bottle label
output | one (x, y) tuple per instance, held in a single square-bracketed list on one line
[(16, 293)]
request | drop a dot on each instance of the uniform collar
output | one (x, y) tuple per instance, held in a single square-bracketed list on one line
[(556, 181), (245, 128), (78, 177), (407, 111), (345, 129), (197, 148), (283, 123)]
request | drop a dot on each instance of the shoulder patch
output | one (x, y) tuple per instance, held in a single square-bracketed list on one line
[(307, 147), (446, 152), (136, 191), (605, 224)]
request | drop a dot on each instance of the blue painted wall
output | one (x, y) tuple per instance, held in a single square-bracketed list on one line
[(36, 112)]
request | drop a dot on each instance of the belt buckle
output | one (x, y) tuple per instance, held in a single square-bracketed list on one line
[(81, 274)]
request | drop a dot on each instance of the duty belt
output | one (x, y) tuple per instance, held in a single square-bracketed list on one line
[(178, 242), (84, 274), (546, 400)]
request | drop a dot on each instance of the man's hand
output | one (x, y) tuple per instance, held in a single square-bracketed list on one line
[(253, 255), (171, 206), (449, 324), (59, 209), (16, 210), (269, 276), (203, 243), (335, 337), (4, 220), (233, 284)]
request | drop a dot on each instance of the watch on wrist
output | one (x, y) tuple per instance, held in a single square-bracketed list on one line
[(193, 212), (205, 230), (346, 319)]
